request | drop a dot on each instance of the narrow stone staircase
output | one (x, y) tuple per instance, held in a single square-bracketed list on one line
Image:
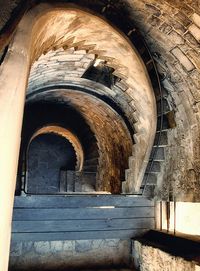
[(157, 156)]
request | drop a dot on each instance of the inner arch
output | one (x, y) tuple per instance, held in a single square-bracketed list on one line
[(69, 136)]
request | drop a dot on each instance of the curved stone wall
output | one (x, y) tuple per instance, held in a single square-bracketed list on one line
[(113, 138), (78, 29), (171, 31)]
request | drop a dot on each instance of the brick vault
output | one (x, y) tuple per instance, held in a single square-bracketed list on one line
[(98, 98)]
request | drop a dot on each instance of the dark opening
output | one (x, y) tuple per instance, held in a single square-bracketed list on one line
[(101, 74), (48, 156)]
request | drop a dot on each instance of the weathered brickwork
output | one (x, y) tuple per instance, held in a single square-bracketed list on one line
[(68, 66), (113, 139), (65, 66), (171, 30)]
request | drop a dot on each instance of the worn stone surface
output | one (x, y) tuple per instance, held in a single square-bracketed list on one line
[(113, 138), (70, 254), (176, 31), (167, 26), (148, 258)]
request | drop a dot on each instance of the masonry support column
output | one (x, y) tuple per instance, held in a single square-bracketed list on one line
[(14, 74)]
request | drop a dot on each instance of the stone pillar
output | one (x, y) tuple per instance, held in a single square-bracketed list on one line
[(13, 79)]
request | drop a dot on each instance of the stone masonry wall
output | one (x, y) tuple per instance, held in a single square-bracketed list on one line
[(171, 30), (69, 254), (143, 255)]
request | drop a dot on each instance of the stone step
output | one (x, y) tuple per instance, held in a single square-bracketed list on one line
[(165, 123), (149, 191), (122, 85), (150, 178), (90, 168), (165, 107), (153, 168), (132, 160), (92, 153), (161, 139), (92, 161), (158, 154), (89, 177)]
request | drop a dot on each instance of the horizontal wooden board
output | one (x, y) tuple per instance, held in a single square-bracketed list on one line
[(82, 225), (80, 201), (82, 213), (56, 236), (81, 217)]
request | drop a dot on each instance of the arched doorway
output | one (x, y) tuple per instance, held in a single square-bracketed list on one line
[(49, 157)]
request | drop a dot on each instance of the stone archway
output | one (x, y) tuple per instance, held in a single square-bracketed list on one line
[(77, 29)]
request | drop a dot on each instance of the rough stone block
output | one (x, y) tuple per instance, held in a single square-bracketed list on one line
[(153, 9), (183, 59), (195, 58), (154, 21), (56, 246), (195, 31), (195, 94), (83, 246), (182, 18), (190, 38), (64, 58), (42, 247), (179, 27), (80, 52), (69, 245), (122, 85), (165, 28), (16, 249), (186, 9), (196, 19), (27, 246), (163, 259), (176, 38)]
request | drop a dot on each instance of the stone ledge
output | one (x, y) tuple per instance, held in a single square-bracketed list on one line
[(155, 249)]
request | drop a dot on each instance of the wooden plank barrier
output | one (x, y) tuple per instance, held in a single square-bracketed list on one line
[(48, 218)]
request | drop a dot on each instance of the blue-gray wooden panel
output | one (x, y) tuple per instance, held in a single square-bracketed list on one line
[(75, 235), (80, 201), (82, 225), (81, 213), (40, 218)]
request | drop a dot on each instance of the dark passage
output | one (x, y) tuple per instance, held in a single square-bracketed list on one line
[(48, 155)]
